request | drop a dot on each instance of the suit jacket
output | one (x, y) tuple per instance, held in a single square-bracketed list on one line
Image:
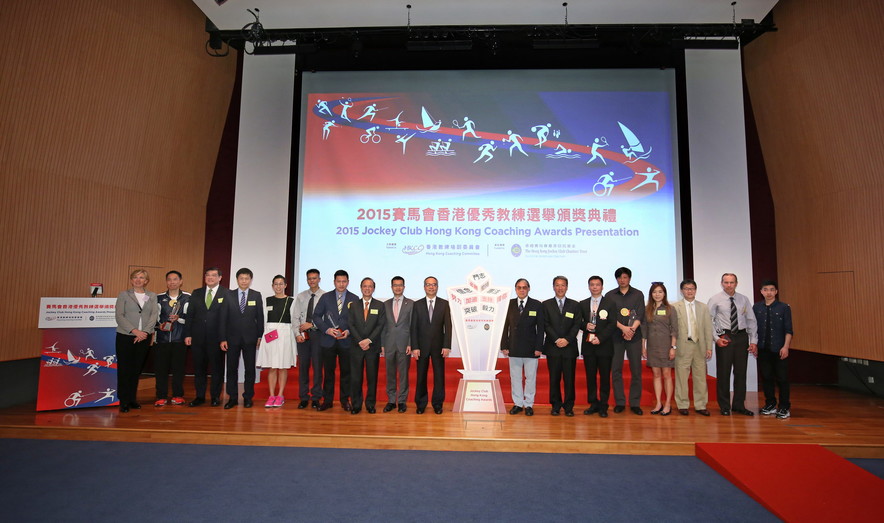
[(130, 313), (563, 324), (704, 324), (431, 336), (397, 334), (523, 332), (366, 327), (605, 326), (205, 325), (243, 328), (325, 316)]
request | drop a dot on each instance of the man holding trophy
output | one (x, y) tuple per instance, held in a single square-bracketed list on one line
[(170, 351), (330, 317), (599, 327), (736, 334)]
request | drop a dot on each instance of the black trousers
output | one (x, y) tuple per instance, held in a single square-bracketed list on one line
[(130, 360), (340, 354), (364, 362), (249, 353), (310, 358), (598, 361), (170, 356), (734, 357), (212, 357), (561, 369), (774, 372), (423, 367)]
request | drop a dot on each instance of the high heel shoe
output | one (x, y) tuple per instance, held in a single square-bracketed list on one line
[(668, 412), (657, 411)]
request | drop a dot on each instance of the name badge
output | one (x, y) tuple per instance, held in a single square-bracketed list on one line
[(569, 314), (624, 312), (269, 308), (661, 312), (220, 300), (603, 314), (251, 303), (372, 311), (532, 313)]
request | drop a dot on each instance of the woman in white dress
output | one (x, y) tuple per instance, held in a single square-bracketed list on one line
[(278, 350)]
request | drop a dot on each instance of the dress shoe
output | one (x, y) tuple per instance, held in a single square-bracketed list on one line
[(529, 411), (665, 412), (315, 404), (324, 406), (420, 410), (134, 405), (370, 410), (303, 404), (389, 406), (216, 402), (516, 409), (702, 412), (618, 409), (355, 411), (196, 402), (655, 412), (684, 412), (247, 404), (124, 408), (345, 404), (230, 404), (590, 411), (636, 410), (403, 407), (744, 412), (725, 412), (603, 413), (437, 410), (569, 413), (554, 412)]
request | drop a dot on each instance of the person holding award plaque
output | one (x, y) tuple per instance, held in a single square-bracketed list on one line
[(735, 332), (170, 351), (277, 353), (136, 313), (659, 332), (599, 329), (309, 352), (330, 317), (629, 303)]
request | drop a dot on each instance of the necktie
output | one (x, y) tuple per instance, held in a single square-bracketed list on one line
[(309, 317), (561, 306), (340, 304), (431, 310), (521, 306), (209, 299), (396, 310), (365, 311), (735, 325), (242, 301), (692, 321)]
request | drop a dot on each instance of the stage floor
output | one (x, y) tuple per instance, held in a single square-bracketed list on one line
[(849, 424)]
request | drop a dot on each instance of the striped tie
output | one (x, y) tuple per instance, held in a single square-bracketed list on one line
[(242, 302), (735, 325), (340, 304)]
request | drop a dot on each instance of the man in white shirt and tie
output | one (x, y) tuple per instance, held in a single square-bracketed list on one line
[(309, 351), (396, 347), (430, 342), (693, 349)]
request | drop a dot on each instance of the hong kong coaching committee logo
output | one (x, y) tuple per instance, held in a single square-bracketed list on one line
[(516, 250)]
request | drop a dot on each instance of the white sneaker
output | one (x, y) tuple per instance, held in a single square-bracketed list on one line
[(783, 414)]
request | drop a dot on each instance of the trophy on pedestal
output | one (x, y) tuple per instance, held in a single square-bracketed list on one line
[(478, 311)]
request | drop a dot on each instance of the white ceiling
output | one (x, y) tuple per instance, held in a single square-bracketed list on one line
[(299, 14)]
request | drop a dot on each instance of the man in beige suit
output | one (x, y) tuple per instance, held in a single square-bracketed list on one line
[(694, 348)]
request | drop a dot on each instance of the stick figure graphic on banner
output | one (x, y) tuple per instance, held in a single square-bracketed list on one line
[(108, 394), (53, 362), (346, 104), (627, 152), (74, 399), (91, 369), (596, 144), (485, 151), (515, 139), (323, 107), (542, 132), (440, 148), (404, 140), (371, 135), (605, 184), (649, 178), (90, 355), (326, 128), (370, 111), (429, 125), (635, 145), (396, 121), (469, 127), (53, 348), (109, 359), (71, 359)]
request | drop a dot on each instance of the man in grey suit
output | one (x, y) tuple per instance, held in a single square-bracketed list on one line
[(396, 344)]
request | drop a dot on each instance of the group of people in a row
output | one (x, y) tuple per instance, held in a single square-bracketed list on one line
[(323, 331)]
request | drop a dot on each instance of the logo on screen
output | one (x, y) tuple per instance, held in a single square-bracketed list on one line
[(412, 249), (516, 250)]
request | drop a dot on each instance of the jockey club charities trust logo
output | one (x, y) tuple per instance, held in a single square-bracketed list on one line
[(516, 250), (412, 249)]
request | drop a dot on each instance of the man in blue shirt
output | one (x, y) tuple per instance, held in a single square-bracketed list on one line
[(774, 338)]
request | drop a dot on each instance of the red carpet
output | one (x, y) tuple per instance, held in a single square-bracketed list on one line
[(452, 377), (798, 482)]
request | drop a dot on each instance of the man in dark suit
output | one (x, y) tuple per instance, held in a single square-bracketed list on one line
[(599, 326), (562, 321), (206, 314), (241, 335), (330, 317), (430, 341), (522, 342), (396, 344), (366, 320)]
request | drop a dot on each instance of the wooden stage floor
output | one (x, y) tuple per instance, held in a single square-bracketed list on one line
[(850, 424)]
